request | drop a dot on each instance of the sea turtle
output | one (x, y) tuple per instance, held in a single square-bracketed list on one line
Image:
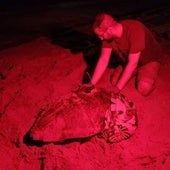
[(78, 115), (83, 114)]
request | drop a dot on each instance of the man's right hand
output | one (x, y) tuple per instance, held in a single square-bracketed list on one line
[(87, 88)]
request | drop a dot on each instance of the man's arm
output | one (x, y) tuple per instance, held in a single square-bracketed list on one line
[(101, 65), (133, 60)]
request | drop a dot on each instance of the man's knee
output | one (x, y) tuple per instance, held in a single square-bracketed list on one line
[(145, 87)]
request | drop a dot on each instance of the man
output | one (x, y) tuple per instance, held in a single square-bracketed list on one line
[(135, 45)]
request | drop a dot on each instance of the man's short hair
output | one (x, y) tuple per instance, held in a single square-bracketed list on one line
[(103, 21)]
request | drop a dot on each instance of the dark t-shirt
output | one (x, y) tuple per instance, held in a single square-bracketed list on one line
[(136, 37)]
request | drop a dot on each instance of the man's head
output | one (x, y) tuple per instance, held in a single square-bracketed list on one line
[(102, 24)]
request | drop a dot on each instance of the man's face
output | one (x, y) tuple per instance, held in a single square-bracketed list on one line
[(104, 27), (105, 33), (102, 33)]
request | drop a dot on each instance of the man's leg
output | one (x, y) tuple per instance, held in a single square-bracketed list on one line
[(146, 77)]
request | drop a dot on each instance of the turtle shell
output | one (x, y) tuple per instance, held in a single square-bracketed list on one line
[(80, 114)]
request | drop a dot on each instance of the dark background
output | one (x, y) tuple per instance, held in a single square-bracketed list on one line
[(22, 21)]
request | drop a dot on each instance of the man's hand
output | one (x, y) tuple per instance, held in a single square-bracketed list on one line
[(87, 88)]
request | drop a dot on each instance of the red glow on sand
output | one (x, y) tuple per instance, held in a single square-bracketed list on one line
[(34, 83)]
